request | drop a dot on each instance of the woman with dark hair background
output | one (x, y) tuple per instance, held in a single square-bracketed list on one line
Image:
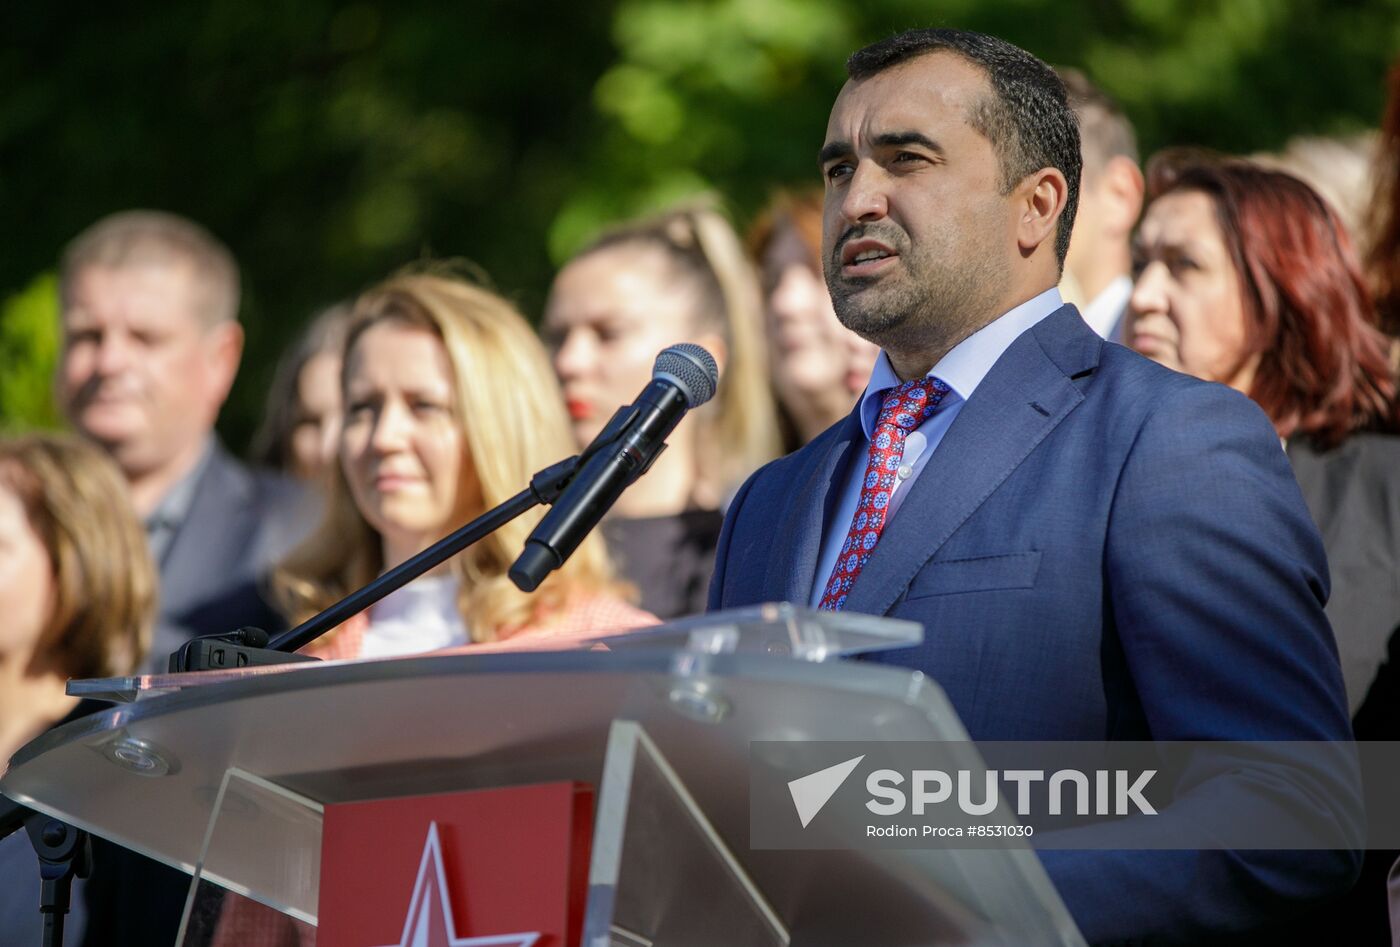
[(301, 427), (1248, 278), (1383, 258)]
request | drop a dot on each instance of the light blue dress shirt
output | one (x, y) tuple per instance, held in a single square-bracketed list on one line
[(962, 370)]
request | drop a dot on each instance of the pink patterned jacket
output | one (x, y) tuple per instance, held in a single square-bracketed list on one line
[(587, 617)]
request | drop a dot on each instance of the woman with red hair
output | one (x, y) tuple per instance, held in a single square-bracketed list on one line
[(1248, 278)]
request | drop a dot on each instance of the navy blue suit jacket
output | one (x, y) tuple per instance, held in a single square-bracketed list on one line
[(1099, 549)]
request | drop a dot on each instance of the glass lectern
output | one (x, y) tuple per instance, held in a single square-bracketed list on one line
[(223, 775)]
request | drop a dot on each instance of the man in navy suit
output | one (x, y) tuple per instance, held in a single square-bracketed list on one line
[(1098, 548)]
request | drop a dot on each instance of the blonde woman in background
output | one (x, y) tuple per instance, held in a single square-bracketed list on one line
[(450, 407), (78, 590), (679, 277)]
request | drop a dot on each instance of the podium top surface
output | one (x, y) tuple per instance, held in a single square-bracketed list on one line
[(777, 629)]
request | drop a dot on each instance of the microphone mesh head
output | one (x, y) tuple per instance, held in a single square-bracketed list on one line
[(692, 368)]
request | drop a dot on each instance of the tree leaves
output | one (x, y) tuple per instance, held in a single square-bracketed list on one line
[(329, 142)]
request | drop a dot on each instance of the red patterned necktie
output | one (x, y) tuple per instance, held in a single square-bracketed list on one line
[(902, 410)]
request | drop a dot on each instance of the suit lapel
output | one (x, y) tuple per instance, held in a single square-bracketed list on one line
[(797, 543), (1024, 397)]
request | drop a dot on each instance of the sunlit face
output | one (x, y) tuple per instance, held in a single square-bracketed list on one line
[(402, 448), (917, 236), (1187, 310), (26, 581), (809, 349), (610, 313), (316, 434), (141, 373)]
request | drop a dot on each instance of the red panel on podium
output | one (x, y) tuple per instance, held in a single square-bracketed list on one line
[(503, 867)]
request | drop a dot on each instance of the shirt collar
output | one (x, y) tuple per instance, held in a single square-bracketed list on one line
[(172, 509), (1104, 311), (964, 367)]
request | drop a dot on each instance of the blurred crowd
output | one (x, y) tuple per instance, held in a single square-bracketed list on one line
[(416, 405)]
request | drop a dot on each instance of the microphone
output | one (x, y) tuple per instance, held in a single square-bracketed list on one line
[(685, 376)]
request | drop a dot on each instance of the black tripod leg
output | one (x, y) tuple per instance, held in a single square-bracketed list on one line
[(64, 853)]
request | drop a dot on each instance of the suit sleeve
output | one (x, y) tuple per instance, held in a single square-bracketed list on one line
[(1217, 581)]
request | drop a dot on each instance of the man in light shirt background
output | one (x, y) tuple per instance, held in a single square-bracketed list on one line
[(1098, 276)]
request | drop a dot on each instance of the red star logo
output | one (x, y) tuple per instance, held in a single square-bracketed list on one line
[(429, 922)]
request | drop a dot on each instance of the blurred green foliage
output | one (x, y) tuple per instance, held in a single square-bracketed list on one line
[(330, 142), (29, 340)]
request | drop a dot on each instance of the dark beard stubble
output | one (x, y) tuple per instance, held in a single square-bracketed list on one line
[(930, 307)]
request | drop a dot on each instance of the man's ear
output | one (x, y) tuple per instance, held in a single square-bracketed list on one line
[(224, 348), (1041, 201), (1122, 195)]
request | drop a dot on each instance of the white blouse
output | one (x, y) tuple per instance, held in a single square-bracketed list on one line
[(421, 616)]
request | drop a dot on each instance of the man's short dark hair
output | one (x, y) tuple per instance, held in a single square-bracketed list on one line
[(1027, 118)]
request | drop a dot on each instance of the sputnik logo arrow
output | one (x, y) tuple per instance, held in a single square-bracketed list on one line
[(811, 792), (429, 922)]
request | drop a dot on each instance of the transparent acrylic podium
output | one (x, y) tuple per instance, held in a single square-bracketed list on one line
[(224, 776)]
